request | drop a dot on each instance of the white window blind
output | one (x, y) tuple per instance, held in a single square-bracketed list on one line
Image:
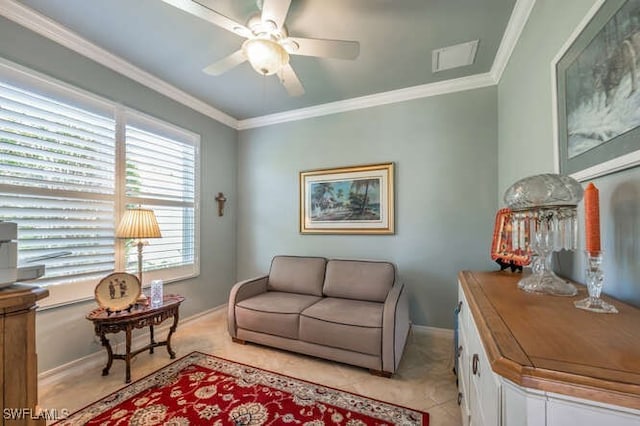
[(56, 182), (161, 175), (70, 163)]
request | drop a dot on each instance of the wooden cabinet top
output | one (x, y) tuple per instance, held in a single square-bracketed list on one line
[(544, 342), (20, 296)]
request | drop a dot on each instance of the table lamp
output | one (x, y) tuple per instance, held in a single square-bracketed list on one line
[(139, 223), (544, 219)]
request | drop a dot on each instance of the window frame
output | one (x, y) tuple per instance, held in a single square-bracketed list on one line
[(79, 290), (168, 130)]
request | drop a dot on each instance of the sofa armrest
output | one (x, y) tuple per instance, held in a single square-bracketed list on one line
[(395, 326), (240, 291)]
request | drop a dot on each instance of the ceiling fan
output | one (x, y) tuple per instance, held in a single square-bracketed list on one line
[(268, 44)]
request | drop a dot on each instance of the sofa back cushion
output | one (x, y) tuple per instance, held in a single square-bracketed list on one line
[(359, 279), (297, 274)]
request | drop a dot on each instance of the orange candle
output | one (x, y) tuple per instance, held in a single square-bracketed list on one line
[(592, 218)]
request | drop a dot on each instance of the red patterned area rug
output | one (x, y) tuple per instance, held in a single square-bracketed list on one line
[(201, 389)]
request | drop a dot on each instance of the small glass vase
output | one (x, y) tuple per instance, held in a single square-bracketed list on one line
[(595, 277), (156, 293)]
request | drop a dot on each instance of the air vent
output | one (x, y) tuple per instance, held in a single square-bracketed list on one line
[(454, 56)]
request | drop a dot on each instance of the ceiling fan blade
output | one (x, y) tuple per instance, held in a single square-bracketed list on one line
[(290, 81), (204, 12), (276, 11), (225, 64), (340, 49)]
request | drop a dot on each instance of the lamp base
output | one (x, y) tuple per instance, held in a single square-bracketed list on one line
[(548, 283), (544, 281), (142, 300)]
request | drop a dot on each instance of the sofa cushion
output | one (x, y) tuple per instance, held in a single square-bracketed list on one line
[(273, 312), (359, 279), (343, 323), (295, 274)]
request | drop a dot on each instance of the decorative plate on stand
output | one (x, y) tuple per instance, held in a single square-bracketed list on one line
[(118, 291)]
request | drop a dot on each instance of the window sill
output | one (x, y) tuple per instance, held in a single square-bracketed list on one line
[(73, 292)]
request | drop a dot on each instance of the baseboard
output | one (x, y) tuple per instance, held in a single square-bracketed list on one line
[(434, 331), (98, 358)]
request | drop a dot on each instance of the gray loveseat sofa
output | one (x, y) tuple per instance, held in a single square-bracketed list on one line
[(349, 311)]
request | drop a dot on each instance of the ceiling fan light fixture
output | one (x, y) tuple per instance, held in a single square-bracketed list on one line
[(265, 56)]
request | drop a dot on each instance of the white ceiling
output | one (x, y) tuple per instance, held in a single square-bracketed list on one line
[(396, 40)]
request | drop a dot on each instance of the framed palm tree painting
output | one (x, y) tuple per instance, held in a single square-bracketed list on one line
[(347, 200)]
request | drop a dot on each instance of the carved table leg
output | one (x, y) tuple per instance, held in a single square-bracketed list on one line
[(172, 330), (127, 357), (105, 342), (151, 341)]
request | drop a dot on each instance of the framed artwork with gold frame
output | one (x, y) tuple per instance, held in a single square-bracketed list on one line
[(118, 291), (347, 200)]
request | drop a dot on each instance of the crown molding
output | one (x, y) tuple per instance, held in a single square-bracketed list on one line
[(519, 16), (416, 92), (58, 33)]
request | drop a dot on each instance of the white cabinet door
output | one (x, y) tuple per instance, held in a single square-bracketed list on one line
[(484, 383), (522, 407), (463, 360), (561, 413), (464, 314), (478, 384), (463, 376)]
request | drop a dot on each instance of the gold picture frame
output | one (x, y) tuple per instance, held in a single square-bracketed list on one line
[(348, 200), (118, 291)]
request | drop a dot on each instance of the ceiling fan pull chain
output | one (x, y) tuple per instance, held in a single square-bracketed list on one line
[(264, 90)]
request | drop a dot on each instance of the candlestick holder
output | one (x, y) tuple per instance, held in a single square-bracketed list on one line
[(595, 278)]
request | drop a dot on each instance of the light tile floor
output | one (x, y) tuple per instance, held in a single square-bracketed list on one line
[(424, 380)]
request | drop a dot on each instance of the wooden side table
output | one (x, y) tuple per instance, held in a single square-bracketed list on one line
[(139, 317)]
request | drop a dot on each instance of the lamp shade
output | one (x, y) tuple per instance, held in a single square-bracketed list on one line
[(265, 56), (138, 223), (544, 190)]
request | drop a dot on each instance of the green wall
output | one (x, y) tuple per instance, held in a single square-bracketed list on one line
[(63, 334), (445, 152), (526, 145), (455, 155)]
